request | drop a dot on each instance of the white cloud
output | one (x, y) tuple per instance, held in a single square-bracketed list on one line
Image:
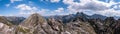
[(85, 5), (43, 11), (68, 1), (54, 1), (25, 13), (7, 5), (10, 15), (93, 6), (25, 7), (59, 10), (109, 12), (47, 12), (26, 10), (12, 1)]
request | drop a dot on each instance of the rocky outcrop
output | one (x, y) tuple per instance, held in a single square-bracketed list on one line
[(79, 27), (78, 24), (117, 27), (106, 26), (36, 24)]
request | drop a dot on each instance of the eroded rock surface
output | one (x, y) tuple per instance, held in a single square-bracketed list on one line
[(36, 24)]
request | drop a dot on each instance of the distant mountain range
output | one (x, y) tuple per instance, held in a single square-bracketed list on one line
[(78, 23), (67, 18), (64, 18), (15, 20)]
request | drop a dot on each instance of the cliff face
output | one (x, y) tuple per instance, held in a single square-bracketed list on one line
[(106, 26), (36, 24), (78, 24)]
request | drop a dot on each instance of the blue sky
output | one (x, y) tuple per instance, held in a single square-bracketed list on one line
[(59, 7)]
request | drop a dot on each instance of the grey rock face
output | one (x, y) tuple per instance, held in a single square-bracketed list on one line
[(36, 24)]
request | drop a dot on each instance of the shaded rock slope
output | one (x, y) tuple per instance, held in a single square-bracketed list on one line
[(79, 23), (15, 20)]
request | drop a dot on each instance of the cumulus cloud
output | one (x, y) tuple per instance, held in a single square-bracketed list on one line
[(109, 12), (90, 6), (93, 6), (47, 12), (59, 10), (26, 10), (25, 7), (54, 1), (85, 5), (43, 12), (68, 1), (12, 1)]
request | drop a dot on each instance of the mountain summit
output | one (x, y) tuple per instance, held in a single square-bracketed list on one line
[(36, 24), (33, 20)]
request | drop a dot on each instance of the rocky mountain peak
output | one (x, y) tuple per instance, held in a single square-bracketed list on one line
[(80, 14), (75, 24), (34, 19)]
